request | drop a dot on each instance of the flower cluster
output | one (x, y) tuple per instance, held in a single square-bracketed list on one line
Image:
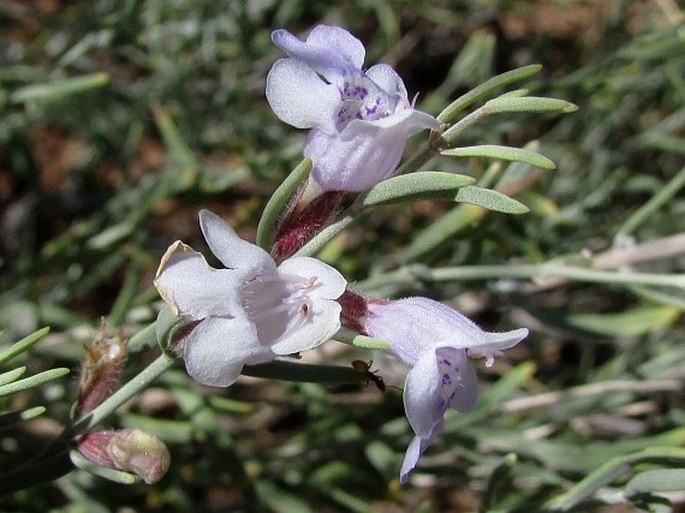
[(360, 120), (259, 307)]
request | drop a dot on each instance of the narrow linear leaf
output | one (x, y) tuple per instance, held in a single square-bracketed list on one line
[(278, 500), (419, 185), (23, 345), (660, 480), (117, 476), (33, 381), (278, 202), (502, 152), (127, 294), (177, 147), (15, 417), (441, 231), (349, 500), (171, 431), (13, 375), (459, 218), (59, 88), (498, 481), (509, 103), (612, 470), (486, 88), (32, 413), (489, 199), (516, 93), (664, 142), (302, 373), (231, 406), (539, 204), (635, 322)]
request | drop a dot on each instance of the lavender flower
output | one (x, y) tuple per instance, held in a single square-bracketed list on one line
[(360, 119), (252, 311), (436, 341)]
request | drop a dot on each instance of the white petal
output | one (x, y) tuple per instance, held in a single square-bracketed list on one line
[(385, 77), (365, 153), (234, 252), (327, 282), (466, 386), (421, 393), (311, 329), (465, 400), (340, 41), (491, 344), (353, 164), (406, 122), (300, 98), (330, 51), (411, 458), (191, 287), (216, 350), (507, 339), (416, 448)]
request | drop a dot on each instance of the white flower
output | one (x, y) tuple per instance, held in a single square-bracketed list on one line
[(250, 312), (435, 340), (361, 119)]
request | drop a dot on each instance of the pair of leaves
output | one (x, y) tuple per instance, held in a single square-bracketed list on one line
[(414, 186), (11, 384)]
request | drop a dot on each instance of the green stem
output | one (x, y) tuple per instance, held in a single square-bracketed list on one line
[(418, 273), (421, 157), (126, 392), (452, 133), (440, 141), (147, 337)]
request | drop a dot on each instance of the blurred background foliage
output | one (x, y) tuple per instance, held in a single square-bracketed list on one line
[(119, 120)]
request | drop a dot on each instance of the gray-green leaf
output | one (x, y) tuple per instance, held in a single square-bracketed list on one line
[(502, 152), (33, 381), (509, 103), (59, 88), (491, 85), (660, 480), (489, 199), (279, 200), (23, 345), (413, 186)]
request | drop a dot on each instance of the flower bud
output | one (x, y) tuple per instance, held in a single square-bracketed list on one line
[(94, 447), (100, 369), (141, 453), (130, 450)]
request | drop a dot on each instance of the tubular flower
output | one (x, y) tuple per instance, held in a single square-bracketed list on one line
[(436, 342), (250, 312), (360, 119)]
